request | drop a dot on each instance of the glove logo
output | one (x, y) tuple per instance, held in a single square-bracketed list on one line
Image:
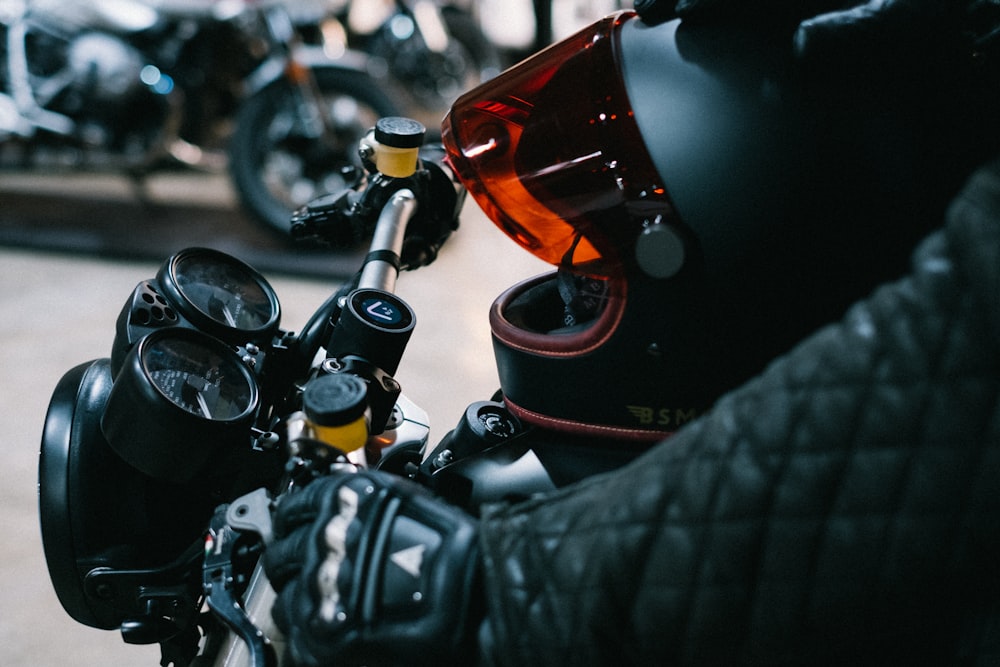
[(410, 560)]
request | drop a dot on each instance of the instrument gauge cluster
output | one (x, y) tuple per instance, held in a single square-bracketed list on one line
[(188, 350), (203, 289)]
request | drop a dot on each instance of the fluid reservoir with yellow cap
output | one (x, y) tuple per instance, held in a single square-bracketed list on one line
[(336, 408), (398, 141)]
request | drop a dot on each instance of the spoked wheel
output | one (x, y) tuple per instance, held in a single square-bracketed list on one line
[(278, 157)]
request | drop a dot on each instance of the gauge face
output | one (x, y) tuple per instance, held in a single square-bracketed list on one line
[(220, 290), (199, 378), (181, 403)]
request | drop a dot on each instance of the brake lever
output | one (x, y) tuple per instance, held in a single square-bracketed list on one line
[(218, 582)]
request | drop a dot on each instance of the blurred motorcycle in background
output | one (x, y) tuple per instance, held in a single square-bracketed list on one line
[(139, 86), (430, 50), (518, 28)]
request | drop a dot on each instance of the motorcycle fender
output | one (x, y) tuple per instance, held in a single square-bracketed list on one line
[(313, 57)]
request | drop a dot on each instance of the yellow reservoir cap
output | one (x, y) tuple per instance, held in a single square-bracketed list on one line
[(398, 141), (396, 162), (335, 406), (346, 438)]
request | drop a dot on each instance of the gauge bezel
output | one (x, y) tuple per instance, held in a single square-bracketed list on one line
[(169, 278), (163, 439)]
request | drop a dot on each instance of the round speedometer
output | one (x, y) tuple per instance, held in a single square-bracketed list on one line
[(220, 294), (181, 399), (198, 378)]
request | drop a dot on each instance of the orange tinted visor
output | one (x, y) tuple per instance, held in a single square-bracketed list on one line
[(552, 154)]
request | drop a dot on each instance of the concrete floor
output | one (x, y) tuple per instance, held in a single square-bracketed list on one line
[(59, 311)]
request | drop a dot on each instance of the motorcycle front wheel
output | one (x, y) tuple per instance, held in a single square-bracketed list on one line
[(280, 158)]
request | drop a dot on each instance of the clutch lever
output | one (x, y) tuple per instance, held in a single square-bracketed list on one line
[(219, 582)]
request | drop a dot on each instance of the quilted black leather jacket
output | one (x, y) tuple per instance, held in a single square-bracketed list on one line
[(841, 508)]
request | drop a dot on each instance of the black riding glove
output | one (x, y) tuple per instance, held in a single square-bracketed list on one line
[(370, 569)]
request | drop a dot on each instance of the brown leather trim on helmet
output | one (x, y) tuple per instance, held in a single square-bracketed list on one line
[(557, 345), (579, 428)]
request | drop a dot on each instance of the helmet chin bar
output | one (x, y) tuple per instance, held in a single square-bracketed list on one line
[(628, 374)]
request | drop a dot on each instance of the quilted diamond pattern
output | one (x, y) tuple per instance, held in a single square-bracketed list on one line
[(842, 507)]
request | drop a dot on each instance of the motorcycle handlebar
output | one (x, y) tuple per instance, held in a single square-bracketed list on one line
[(381, 265)]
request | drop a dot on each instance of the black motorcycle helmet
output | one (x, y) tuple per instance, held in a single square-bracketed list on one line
[(707, 205)]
